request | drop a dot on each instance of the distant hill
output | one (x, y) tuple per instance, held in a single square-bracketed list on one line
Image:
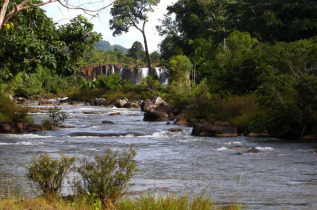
[(106, 46)]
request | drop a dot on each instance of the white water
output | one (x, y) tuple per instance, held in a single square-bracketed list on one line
[(142, 73), (281, 176)]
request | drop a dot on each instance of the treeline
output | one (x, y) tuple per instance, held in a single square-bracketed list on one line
[(252, 63)]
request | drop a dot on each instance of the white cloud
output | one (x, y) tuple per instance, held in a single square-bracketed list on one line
[(62, 15)]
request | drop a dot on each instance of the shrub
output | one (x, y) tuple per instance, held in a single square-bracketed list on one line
[(10, 112), (107, 175), (56, 116), (47, 175), (110, 82)]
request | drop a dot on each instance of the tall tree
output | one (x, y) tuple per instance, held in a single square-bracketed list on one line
[(136, 51), (129, 13), (9, 8)]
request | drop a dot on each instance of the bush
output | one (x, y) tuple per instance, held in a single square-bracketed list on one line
[(56, 116), (10, 112), (110, 82), (47, 175), (107, 175)]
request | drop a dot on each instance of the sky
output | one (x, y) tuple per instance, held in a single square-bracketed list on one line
[(62, 15)]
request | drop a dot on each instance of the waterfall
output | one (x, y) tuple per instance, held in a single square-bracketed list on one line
[(162, 75), (121, 71), (112, 69), (142, 73)]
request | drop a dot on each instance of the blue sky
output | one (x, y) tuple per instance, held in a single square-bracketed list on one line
[(62, 15)]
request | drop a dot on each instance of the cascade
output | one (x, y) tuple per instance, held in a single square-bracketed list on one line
[(142, 73), (121, 71), (112, 69), (162, 75)]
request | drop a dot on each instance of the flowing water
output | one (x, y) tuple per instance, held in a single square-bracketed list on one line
[(282, 175)]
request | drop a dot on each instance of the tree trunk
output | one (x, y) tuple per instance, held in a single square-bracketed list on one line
[(148, 58), (3, 11)]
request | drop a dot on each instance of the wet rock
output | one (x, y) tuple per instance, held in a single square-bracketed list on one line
[(176, 130), (91, 113), (66, 126), (74, 103), (239, 153), (100, 102), (133, 105), (253, 150), (147, 105), (253, 134), (6, 128), (107, 122), (215, 129), (169, 123), (154, 115), (121, 102), (46, 102), (114, 114), (180, 122), (236, 147), (21, 100), (63, 100)]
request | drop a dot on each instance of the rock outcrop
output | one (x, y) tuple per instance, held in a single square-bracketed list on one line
[(214, 129), (19, 127), (156, 110)]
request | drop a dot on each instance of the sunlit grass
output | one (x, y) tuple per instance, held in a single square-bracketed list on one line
[(143, 202)]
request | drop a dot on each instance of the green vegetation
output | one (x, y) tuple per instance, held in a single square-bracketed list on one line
[(102, 184), (247, 62), (107, 176), (47, 175), (10, 112)]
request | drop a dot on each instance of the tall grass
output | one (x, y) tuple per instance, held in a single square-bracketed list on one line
[(144, 202)]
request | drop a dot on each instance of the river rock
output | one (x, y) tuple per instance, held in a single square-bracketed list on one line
[(236, 147), (147, 105), (100, 102), (157, 101), (239, 153), (133, 105), (215, 129), (180, 122), (63, 100), (21, 100), (6, 128), (114, 114), (74, 103), (107, 122), (46, 102), (176, 130), (121, 102), (154, 115), (253, 150), (91, 112), (253, 134)]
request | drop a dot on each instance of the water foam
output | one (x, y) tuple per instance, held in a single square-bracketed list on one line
[(222, 148), (264, 148)]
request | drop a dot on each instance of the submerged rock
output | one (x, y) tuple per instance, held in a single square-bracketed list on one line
[(114, 114), (107, 122), (176, 130), (215, 129), (253, 150), (91, 112)]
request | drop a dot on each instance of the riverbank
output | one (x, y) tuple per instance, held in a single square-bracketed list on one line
[(144, 202)]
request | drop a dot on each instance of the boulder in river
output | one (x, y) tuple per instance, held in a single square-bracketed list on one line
[(107, 122), (100, 102), (121, 102), (114, 114), (253, 150), (133, 105), (154, 115), (46, 102), (176, 130), (215, 129)]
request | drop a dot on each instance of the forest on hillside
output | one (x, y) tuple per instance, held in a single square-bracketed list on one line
[(252, 63)]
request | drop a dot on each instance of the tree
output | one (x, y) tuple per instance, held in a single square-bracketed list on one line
[(129, 13), (10, 8), (136, 51), (179, 69)]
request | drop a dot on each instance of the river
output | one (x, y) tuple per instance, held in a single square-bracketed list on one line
[(282, 175)]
